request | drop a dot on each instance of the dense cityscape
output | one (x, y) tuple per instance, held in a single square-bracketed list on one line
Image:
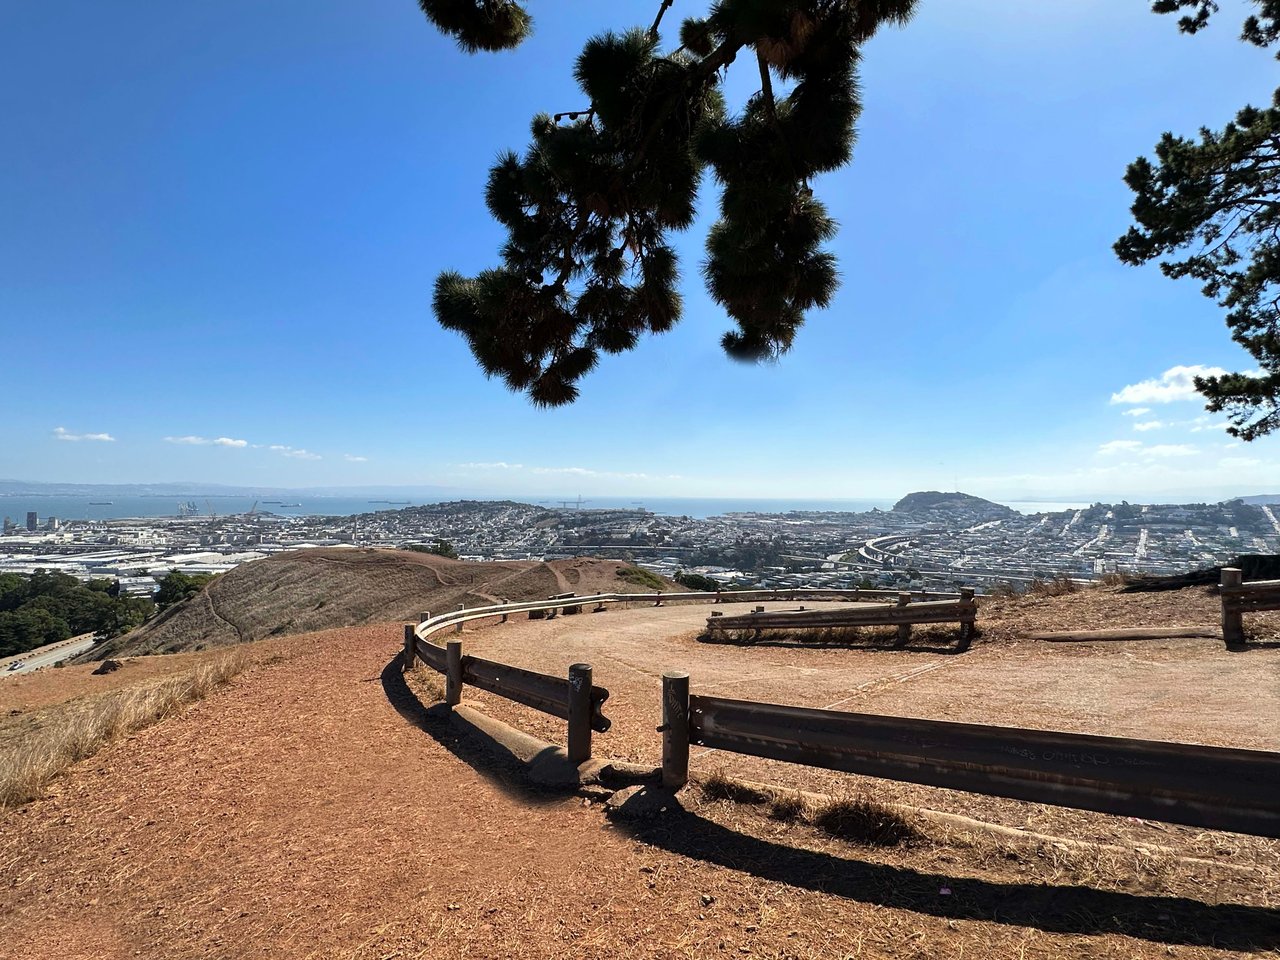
[(927, 540)]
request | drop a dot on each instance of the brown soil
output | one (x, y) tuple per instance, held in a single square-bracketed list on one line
[(313, 810), (1192, 691), (322, 589)]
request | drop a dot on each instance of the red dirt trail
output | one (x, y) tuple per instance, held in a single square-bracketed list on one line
[(298, 814)]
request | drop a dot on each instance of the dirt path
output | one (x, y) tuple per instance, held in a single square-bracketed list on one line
[(299, 814), (1191, 691)]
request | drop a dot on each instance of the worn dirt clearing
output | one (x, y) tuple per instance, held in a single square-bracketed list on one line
[(299, 813)]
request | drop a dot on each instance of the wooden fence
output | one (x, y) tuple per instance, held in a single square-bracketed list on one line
[(574, 699), (902, 614), (1240, 598), (1215, 787), (1212, 787)]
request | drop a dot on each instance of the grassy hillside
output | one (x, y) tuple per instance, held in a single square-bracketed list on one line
[(309, 590)]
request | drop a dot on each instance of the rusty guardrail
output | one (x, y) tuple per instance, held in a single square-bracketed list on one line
[(1219, 788)]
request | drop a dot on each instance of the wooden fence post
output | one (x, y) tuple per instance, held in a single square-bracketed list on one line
[(453, 673), (461, 607), (410, 655), (580, 713), (505, 601), (904, 629), (1232, 624), (675, 729), (424, 616)]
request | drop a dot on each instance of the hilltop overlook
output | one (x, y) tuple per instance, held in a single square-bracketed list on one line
[(933, 500)]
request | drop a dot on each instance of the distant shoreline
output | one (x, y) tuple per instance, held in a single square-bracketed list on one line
[(156, 506)]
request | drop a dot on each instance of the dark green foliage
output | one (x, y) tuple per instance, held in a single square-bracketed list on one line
[(49, 607), (696, 582), (177, 586), (641, 578), (1215, 203), (587, 267), (480, 24), (441, 548), (1261, 29)]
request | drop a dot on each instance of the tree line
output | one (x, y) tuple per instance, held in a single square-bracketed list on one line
[(49, 606)]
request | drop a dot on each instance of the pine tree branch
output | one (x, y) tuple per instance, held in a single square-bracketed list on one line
[(766, 87), (666, 5)]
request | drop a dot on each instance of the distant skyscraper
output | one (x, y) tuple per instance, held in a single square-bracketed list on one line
[(32, 519)]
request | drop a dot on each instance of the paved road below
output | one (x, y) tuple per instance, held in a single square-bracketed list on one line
[(45, 656)]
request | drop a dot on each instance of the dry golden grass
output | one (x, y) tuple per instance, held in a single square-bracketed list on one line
[(720, 786), (426, 684), (854, 819), (859, 819), (789, 806), (78, 729)]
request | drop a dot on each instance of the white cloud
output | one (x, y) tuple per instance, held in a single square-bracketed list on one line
[(297, 453), (207, 442), (1136, 411), (1239, 463), (1119, 446), (569, 471), (606, 474), (1150, 425), (61, 433), (1201, 424), (1169, 450), (1176, 383), (352, 458)]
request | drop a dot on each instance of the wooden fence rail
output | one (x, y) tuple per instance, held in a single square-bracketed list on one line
[(1215, 787), (1240, 598), (1212, 787)]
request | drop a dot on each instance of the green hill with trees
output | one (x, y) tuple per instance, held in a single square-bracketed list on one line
[(48, 607)]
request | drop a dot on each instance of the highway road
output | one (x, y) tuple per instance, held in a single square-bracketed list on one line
[(46, 656)]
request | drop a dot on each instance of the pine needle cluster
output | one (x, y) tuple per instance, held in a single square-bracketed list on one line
[(1209, 209), (589, 206)]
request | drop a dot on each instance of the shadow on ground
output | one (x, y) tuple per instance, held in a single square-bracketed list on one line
[(1052, 908), (469, 744)]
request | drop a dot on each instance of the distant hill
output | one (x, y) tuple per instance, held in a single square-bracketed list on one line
[(932, 501), (1262, 499), (307, 590)]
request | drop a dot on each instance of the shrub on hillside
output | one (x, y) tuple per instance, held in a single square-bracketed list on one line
[(641, 578), (696, 581)]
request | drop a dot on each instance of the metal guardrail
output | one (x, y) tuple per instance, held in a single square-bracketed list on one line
[(1219, 788), (902, 614), (537, 690)]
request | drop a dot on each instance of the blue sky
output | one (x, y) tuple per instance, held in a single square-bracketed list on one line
[(220, 225)]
